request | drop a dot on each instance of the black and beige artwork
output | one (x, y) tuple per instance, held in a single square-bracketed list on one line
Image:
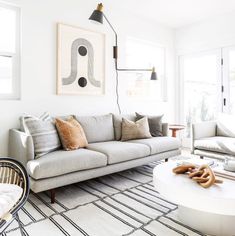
[(80, 61)]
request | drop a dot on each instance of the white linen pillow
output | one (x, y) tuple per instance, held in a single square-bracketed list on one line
[(9, 196), (225, 125)]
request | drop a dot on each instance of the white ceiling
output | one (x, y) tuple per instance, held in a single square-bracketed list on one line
[(175, 13)]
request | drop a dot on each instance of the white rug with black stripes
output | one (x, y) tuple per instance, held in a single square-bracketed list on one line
[(125, 203)]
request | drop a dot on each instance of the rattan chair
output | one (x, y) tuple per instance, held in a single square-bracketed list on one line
[(13, 172)]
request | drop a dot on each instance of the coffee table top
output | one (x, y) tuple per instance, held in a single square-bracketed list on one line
[(179, 189)]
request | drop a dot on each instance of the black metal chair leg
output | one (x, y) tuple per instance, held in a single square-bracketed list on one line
[(20, 226)]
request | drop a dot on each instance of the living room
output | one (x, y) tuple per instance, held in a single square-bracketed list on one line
[(107, 109)]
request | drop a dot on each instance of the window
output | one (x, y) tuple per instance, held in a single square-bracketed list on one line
[(207, 86), (143, 54), (201, 99), (229, 79), (9, 52)]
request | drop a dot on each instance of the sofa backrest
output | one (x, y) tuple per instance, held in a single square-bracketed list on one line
[(97, 128), (117, 123)]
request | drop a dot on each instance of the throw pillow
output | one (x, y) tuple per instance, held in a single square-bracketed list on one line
[(117, 123), (135, 130), (71, 134), (225, 125), (43, 132), (155, 124)]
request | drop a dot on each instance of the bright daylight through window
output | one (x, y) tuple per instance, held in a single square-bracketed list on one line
[(208, 85), (200, 89), (9, 52)]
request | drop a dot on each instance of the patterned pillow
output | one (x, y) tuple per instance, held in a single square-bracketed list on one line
[(135, 130), (44, 133), (155, 124), (71, 134)]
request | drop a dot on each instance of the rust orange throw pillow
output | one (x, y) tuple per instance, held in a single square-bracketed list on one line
[(71, 134)]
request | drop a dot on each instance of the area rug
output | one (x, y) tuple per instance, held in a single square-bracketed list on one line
[(124, 203)]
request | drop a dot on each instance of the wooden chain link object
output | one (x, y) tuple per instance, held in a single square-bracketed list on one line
[(203, 175)]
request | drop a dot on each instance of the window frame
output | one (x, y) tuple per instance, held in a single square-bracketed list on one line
[(16, 57), (226, 78)]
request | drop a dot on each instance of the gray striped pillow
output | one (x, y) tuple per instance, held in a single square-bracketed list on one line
[(44, 133)]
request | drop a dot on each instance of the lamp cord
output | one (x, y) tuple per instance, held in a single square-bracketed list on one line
[(117, 93)]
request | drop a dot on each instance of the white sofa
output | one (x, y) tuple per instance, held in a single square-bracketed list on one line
[(209, 140), (105, 154)]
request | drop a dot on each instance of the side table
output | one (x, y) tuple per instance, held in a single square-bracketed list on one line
[(174, 128)]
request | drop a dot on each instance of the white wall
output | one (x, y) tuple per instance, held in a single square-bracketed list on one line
[(205, 35), (38, 75)]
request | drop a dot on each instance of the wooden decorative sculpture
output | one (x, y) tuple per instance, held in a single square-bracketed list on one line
[(203, 175)]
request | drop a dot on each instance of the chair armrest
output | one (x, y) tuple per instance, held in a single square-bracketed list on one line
[(20, 146), (165, 129), (202, 130)]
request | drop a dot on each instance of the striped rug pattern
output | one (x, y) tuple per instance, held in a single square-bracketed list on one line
[(124, 203)]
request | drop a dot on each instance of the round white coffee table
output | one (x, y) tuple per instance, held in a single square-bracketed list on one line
[(211, 211)]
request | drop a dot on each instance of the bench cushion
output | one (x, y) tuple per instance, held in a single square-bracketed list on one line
[(9, 196), (159, 144), (117, 151), (63, 162), (216, 144)]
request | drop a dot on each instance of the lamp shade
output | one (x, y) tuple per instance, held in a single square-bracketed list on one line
[(153, 74), (97, 14)]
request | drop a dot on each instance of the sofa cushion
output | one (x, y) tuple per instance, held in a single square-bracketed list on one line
[(63, 162), (135, 130), (43, 132), (71, 134), (155, 124), (225, 125), (93, 125), (117, 151), (216, 144), (159, 144), (117, 123)]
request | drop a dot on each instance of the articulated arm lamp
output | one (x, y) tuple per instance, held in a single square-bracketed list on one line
[(98, 16)]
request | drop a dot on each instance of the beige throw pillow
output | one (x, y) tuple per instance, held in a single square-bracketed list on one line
[(135, 130), (71, 134)]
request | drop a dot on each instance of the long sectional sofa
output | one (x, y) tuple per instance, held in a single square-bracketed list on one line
[(104, 155)]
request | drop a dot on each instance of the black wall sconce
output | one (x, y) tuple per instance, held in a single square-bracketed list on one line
[(98, 16)]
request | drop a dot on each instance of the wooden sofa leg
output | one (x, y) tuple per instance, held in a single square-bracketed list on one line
[(52, 193), (202, 157), (166, 160)]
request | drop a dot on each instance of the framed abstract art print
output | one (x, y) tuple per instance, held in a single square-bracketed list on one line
[(80, 61)]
